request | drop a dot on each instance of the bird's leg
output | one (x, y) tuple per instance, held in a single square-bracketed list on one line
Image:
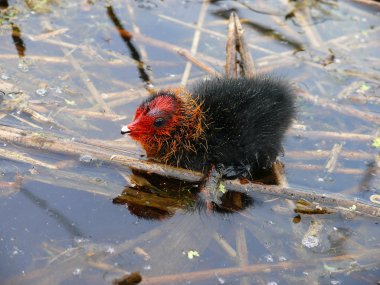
[(210, 188)]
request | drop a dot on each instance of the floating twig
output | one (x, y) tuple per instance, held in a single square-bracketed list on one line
[(345, 110), (231, 55), (196, 39), (246, 63), (47, 142), (198, 63), (255, 268)]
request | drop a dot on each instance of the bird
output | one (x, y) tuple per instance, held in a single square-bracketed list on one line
[(234, 124)]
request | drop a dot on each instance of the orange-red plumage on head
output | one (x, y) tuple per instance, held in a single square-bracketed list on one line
[(163, 122)]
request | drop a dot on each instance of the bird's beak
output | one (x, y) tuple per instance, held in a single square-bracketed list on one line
[(125, 130)]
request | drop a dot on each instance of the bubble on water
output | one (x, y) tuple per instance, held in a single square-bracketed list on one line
[(58, 90), (16, 251), (80, 240), (87, 158), (41, 91), (220, 279), (147, 5), (5, 76), (268, 258), (310, 241), (110, 250), (23, 67), (147, 267)]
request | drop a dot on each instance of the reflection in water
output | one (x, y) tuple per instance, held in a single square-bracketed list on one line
[(156, 198), (17, 40), (55, 214), (3, 4), (127, 36), (262, 29), (369, 175)]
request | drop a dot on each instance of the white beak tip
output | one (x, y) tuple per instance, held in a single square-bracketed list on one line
[(125, 130)]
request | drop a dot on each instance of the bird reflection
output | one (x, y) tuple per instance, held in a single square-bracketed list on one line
[(153, 197), (18, 41), (127, 38), (3, 4)]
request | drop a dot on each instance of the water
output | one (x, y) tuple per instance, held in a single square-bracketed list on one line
[(72, 71)]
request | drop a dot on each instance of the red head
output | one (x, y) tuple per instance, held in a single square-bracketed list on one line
[(165, 122), (156, 116)]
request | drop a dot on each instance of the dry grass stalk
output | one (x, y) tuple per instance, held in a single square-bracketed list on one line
[(246, 63), (305, 21), (321, 168), (369, 3), (255, 268), (17, 156), (331, 135), (214, 33), (36, 58), (333, 158), (87, 82), (231, 54), (225, 246), (316, 154), (195, 43), (174, 48), (47, 142), (186, 54), (345, 110), (242, 251)]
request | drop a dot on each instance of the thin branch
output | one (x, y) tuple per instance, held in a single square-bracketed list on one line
[(186, 54), (86, 80), (254, 268), (48, 142), (246, 58), (231, 65), (346, 110), (196, 39)]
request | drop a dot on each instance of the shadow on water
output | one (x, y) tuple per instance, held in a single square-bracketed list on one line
[(4, 4), (156, 198), (18, 41), (60, 217), (127, 38), (264, 30)]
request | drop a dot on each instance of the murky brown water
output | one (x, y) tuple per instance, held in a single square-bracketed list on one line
[(77, 70)]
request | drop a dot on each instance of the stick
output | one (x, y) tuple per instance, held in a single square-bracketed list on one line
[(186, 54), (246, 58), (346, 110), (250, 269), (196, 38), (231, 66), (86, 80), (48, 142)]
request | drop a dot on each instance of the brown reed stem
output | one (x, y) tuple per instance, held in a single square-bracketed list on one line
[(48, 142), (231, 56), (254, 268), (186, 54)]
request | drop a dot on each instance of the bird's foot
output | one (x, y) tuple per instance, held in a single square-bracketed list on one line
[(211, 188)]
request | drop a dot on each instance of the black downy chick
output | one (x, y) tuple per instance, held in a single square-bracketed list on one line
[(236, 125)]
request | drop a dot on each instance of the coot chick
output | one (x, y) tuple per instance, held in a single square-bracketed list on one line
[(236, 125)]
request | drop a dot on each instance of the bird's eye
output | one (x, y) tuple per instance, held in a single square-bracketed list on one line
[(159, 122)]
